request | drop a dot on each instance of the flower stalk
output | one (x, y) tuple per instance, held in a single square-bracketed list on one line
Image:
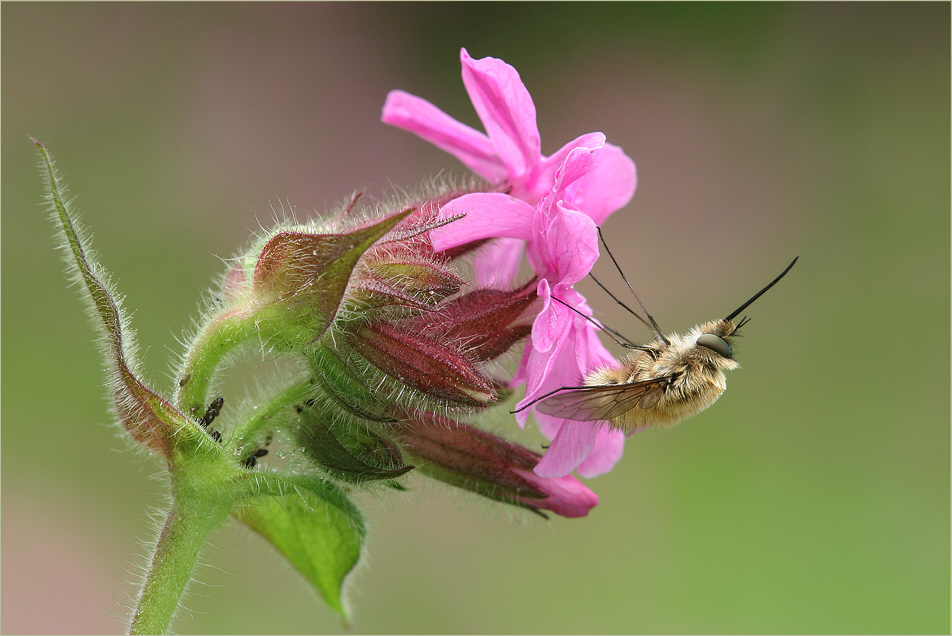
[(191, 519)]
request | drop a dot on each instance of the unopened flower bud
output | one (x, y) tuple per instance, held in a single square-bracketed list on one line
[(487, 320), (475, 460), (421, 285), (347, 450), (439, 352), (428, 364), (300, 279)]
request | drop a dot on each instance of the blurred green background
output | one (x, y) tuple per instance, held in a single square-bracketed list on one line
[(814, 497)]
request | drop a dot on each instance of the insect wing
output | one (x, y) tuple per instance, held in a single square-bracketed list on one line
[(605, 402)]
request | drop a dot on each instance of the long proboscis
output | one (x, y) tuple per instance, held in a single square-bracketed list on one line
[(654, 325), (761, 292), (614, 335)]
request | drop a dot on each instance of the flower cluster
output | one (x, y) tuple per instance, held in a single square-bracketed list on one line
[(392, 349), (395, 341), (547, 208)]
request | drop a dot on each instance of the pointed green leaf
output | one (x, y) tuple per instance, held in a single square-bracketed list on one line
[(144, 414), (315, 526)]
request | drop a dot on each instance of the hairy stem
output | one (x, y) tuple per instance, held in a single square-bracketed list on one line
[(190, 521), (216, 341), (248, 432)]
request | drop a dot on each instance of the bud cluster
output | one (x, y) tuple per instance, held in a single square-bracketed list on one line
[(396, 342)]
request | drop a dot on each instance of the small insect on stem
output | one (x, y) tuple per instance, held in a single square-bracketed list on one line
[(659, 383), (213, 410), (251, 460)]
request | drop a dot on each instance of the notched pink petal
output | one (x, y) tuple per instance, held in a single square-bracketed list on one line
[(506, 110), (473, 148)]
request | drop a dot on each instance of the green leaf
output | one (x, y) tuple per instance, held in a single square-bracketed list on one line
[(315, 526), (145, 415)]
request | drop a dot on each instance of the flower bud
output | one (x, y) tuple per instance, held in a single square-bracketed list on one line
[(428, 364), (485, 320), (300, 279), (439, 352), (419, 284), (478, 461), (349, 451)]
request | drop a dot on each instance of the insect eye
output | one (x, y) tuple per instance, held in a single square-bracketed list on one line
[(716, 344)]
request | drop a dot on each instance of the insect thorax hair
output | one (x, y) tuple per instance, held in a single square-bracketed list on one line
[(696, 376)]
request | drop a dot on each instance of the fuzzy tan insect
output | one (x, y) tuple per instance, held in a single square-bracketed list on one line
[(660, 383)]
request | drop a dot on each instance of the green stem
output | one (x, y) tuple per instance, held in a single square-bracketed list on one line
[(217, 339), (190, 521), (249, 432)]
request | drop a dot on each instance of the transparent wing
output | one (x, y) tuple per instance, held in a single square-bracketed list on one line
[(605, 402)]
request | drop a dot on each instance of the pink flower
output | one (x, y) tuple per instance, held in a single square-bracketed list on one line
[(562, 246), (551, 208), (509, 153)]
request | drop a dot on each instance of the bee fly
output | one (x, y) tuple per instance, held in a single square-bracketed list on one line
[(660, 383)]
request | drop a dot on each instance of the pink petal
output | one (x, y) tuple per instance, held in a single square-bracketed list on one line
[(425, 120), (496, 264), (608, 449), (487, 215), (506, 110), (590, 353), (540, 361), (607, 188), (583, 353), (567, 495), (562, 349), (571, 446)]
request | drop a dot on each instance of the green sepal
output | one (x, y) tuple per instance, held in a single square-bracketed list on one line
[(348, 450), (315, 526), (337, 373)]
